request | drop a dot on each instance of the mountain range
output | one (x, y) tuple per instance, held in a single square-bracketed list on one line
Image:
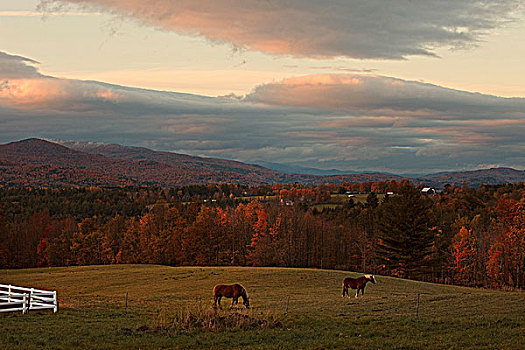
[(41, 163)]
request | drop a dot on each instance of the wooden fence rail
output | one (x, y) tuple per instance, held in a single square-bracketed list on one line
[(13, 298)]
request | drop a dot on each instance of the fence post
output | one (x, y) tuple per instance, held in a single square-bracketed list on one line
[(417, 307), (24, 304), (55, 301), (31, 298)]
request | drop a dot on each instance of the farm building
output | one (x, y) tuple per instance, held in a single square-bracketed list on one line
[(428, 190)]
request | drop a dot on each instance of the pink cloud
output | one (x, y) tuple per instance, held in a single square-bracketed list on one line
[(313, 28)]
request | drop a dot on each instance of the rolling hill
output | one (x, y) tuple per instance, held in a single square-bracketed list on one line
[(477, 177), (306, 302), (37, 162), (41, 163)]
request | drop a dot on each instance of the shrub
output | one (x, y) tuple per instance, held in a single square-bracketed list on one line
[(210, 319)]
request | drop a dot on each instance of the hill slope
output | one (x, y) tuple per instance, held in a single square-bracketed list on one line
[(39, 163), (42, 163), (477, 177), (92, 311)]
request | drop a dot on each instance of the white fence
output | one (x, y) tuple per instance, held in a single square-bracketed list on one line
[(13, 298)]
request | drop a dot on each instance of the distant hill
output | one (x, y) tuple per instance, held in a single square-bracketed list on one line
[(40, 163), (297, 169), (476, 177), (36, 162)]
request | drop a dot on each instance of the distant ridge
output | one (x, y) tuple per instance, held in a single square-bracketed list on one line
[(295, 169), (41, 163), (478, 177)]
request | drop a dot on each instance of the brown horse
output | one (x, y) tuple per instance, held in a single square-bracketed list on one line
[(357, 283), (230, 291)]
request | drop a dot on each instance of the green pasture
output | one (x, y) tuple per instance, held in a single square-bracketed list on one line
[(258, 198), (321, 207), (358, 198), (337, 200), (307, 302)]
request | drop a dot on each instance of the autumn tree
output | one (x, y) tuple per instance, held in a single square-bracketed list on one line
[(129, 252), (263, 248), (113, 232), (174, 229), (59, 247), (86, 243), (506, 265), (200, 242), (465, 256)]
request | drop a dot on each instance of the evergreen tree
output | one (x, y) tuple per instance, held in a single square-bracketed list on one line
[(405, 235), (372, 201)]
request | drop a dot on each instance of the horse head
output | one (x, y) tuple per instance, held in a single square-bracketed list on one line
[(246, 301), (371, 278)]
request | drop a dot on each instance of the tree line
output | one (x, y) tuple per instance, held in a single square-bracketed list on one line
[(462, 235)]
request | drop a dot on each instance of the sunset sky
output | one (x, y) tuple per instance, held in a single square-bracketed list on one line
[(396, 85)]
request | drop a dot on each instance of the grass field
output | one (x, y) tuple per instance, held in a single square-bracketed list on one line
[(358, 198), (337, 200), (92, 314)]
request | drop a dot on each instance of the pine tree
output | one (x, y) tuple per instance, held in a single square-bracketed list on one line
[(405, 235), (372, 201)]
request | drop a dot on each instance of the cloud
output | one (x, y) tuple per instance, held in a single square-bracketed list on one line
[(310, 28), (373, 93), (56, 94), (343, 121), (12, 66), (44, 14)]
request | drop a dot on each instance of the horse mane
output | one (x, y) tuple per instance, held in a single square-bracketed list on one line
[(244, 293), (370, 278)]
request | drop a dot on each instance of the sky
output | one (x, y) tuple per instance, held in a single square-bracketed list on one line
[(400, 86)]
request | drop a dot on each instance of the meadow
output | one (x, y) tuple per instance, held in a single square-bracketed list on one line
[(306, 302)]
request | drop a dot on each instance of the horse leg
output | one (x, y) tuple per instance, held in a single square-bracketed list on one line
[(357, 293), (363, 291), (233, 301), (344, 291), (219, 302)]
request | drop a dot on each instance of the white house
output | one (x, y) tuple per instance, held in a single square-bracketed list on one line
[(428, 190)]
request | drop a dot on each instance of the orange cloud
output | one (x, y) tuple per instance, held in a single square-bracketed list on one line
[(51, 93), (30, 93), (109, 95)]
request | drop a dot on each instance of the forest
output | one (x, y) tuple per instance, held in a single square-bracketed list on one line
[(461, 235)]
